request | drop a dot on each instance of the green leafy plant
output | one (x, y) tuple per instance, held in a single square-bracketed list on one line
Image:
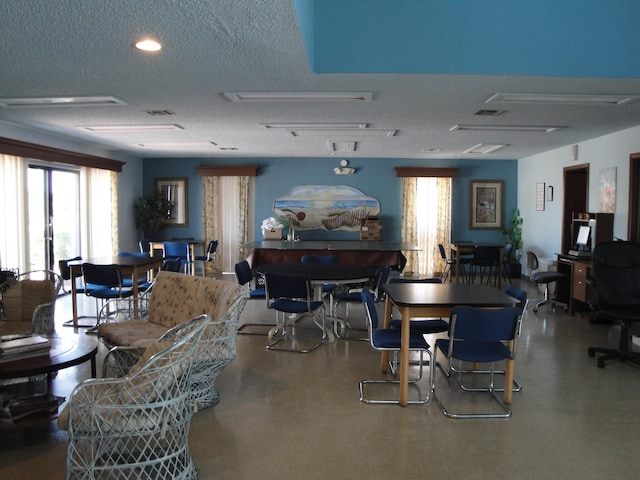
[(513, 235), (151, 213)]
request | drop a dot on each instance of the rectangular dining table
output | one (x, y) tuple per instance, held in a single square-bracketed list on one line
[(133, 266), (419, 300)]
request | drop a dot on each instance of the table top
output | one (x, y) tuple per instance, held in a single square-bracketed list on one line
[(329, 272), (67, 350), (446, 295), (331, 245), (125, 261)]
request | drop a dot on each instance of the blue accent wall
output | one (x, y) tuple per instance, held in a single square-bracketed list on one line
[(375, 177)]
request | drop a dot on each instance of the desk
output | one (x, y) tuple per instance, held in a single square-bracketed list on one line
[(466, 248), (193, 245), (436, 300), (134, 266), (352, 252), (573, 291)]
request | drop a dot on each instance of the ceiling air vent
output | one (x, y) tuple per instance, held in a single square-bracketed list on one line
[(159, 113), (489, 113)]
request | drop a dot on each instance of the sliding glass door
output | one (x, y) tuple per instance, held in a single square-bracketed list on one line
[(53, 216)]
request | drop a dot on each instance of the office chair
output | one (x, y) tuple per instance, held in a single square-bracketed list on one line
[(615, 292), (506, 261), (449, 264), (106, 281), (291, 296), (542, 278), (479, 336), (390, 339)]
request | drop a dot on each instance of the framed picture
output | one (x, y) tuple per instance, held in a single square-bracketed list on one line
[(485, 204), (174, 191), (540, 196)]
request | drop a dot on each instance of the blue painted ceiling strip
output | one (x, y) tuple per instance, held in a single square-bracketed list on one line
[(552, 38)]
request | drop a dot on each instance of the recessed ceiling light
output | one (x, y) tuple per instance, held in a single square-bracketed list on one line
[(365, 132), (484, 148), (147, 45), (299, 96), (178, 146), (577, 99), (509, 128), (130, 128), (313, 126), (68, 101)]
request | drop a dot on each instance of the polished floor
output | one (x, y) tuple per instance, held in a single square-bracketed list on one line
[(287, 415)]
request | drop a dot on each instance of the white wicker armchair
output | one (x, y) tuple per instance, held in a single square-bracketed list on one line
[(176, 297), (137, 426)]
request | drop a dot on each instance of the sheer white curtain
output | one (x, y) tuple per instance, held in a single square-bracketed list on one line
[(14, 241), (426, 221), (98, 213)]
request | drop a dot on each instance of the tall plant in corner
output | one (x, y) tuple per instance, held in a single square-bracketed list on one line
[(513, 235), (151, 214)]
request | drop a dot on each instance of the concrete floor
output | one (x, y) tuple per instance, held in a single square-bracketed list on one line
[(287, 415)]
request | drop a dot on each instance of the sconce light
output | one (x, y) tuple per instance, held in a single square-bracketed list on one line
[(344, 168), (549, 193)]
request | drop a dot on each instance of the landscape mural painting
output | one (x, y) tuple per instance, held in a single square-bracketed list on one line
[(325, 207)]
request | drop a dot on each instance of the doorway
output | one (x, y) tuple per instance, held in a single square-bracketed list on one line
[(54, 216), (633, 227)]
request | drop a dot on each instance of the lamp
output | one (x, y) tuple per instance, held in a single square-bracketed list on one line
[(344, 168)]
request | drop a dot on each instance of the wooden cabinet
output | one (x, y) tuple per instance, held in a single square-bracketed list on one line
[(579, 290)]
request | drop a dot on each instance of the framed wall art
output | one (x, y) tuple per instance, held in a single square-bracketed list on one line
[(174, 192), (485, 204), (540, 196)]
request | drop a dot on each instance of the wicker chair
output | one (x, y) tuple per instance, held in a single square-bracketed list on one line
[(27, 302), (137, 426)]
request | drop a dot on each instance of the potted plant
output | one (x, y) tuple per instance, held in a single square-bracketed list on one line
[(151, 214), (513, 236)]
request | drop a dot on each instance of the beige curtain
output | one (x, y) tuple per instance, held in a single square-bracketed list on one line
[(426, 222), (225, 218)]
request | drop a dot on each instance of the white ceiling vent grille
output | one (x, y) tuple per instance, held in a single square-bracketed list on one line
[(93, 101), (130, 128)]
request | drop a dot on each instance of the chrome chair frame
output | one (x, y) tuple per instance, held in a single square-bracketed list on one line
[(244, 276)]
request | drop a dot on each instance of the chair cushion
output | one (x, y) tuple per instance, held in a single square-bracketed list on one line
[(131, 332), (546, 277), (391, 338), (294, 306), (21, 299), (424, 326), (481, 352)]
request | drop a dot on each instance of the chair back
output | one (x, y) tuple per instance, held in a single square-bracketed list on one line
[(171, 265), (134, 254), (144, 245), (370, 308), (479, 325), (22, 296), (287, 286), (506, 252), (443, 254), (486, 255), (379, 279), (616, 274), (519, 294), (211, 249), (65, 270), (108, 276), (176, 250), (243, 272), (532, 262), (319, 259)]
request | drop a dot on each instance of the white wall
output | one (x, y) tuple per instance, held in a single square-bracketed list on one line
[(542, 230)]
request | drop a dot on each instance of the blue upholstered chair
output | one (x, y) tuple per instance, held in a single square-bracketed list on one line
[(390, 339), (179, 250), (292, 295), (479, 336)]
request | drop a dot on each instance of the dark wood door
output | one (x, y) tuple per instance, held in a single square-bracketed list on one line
[(576, 199)]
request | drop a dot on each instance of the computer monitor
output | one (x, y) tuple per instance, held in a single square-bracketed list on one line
[(583, 242)]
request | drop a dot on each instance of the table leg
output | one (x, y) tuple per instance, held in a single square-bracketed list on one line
[(74, 300), (508, 377), (404, 356), (457, 266)]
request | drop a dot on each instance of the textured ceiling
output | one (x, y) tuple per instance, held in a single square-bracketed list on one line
[(79, 47)]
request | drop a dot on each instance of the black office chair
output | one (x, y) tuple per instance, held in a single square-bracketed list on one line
[(449, 264), (615, 292), (543, 278)]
